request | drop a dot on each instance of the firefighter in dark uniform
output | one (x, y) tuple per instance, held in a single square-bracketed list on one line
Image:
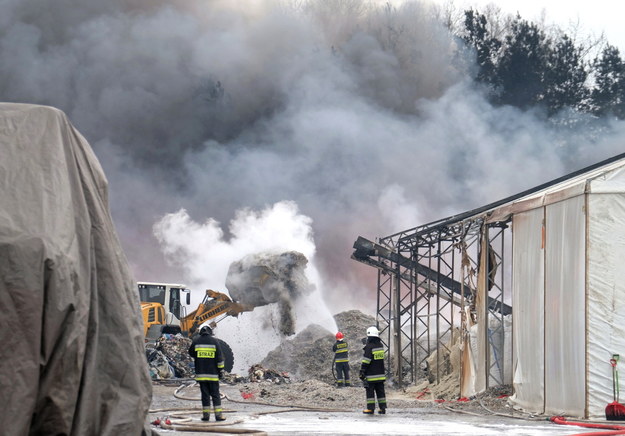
[(341, 361), (372, 372), (209, 369)]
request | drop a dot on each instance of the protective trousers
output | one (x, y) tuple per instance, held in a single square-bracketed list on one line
[(373, 390), (210, 390), (342, 374)]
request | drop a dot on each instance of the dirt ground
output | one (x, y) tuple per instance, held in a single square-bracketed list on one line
[(291, 391), (316, 407)]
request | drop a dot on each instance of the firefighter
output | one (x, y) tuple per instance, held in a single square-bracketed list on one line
[(341, 360), (209, 369), (372, 372)]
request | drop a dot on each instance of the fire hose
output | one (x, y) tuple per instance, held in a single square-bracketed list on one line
[(614, 429), (180, 421)]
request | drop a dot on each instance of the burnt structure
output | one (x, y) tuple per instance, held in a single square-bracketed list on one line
[(441, 279), (425, 276)]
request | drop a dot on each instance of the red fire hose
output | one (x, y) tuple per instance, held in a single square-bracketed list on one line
[(615, 429)]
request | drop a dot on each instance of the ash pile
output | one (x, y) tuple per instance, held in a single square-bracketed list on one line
[(169, 358), (308, 355), (265, 278)]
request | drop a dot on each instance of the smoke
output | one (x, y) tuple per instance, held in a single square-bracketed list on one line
[(204, 252), (347, 117), (205, 255)]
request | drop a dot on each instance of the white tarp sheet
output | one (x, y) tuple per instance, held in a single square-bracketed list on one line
[(569, 298), (528, 299), (565, 323), (72, 353), (606, 293)]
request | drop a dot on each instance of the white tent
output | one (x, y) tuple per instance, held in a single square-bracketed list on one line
[(568, 286), (73, 359)]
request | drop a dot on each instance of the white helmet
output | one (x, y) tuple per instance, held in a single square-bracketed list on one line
[(373, 331)]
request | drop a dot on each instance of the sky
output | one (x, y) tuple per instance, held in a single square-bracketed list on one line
[(230, 128)]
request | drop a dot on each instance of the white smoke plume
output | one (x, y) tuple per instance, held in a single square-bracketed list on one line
[(204, 254), (362, 114)]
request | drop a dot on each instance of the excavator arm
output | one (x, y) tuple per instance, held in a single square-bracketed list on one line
[(213, 305)]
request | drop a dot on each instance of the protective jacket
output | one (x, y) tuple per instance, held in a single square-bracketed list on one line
[(341, 351), (372, 367), (209, 360)]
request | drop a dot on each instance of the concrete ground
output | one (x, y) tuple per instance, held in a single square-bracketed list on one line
[(245, 417)]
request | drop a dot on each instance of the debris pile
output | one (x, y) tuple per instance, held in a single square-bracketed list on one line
[(309, 354), (258, 373), (441, 374), (169, 358), (264, 278), (307, 393)]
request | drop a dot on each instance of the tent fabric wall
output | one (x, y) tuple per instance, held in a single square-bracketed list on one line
[(73, 359), (606, 289), (568, 291), (528, 311), (583, 293), (565, 323)]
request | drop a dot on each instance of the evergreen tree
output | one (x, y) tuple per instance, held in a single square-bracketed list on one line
[(526, 68), (523, 64), (608, 94), (565, 76), (486, 46)]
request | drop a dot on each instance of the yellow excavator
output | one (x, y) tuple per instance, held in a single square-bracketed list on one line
[(164, 305), (164, 312)]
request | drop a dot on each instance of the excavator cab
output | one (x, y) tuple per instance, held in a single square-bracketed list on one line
[(163, 306)]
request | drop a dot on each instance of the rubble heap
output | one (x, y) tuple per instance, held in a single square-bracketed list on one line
[(169, 358), (309, 354), (264, 278), (258, 373)]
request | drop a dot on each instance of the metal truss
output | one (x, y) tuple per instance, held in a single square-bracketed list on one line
[(496, 290), (426, 278)]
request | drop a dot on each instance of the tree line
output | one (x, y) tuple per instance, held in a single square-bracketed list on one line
[(525, 67)]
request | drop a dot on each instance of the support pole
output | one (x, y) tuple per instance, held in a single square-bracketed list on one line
[(397, 327)]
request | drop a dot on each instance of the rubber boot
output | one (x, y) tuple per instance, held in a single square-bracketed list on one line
[(219, 417), (206, 416), (382, 411), (368, 412)]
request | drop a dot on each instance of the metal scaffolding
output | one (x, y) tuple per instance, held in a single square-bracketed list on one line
[(427, 276)]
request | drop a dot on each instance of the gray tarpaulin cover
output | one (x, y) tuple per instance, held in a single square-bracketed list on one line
[(72, 356)]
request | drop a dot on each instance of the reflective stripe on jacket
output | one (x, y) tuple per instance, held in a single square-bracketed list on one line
[(341, 351), (373, 361), (208, 357)]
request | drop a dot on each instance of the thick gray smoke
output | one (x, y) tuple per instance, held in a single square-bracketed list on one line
[(361, 113)]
